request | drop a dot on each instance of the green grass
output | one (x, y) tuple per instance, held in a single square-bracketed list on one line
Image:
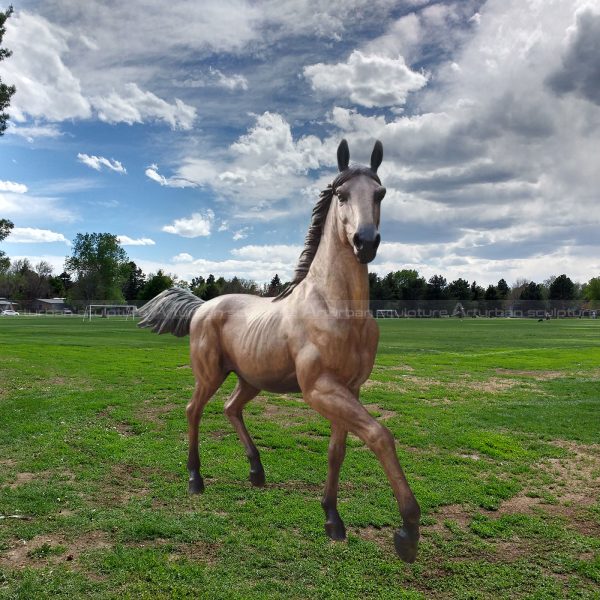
[(497, 425)]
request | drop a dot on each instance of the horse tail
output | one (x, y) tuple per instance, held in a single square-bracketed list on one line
[(170, 312)]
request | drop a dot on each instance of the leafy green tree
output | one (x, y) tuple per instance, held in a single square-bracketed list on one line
[(5, 229), (155, 285), (591, 291), (562, 288), (6, 91), (100, 267), (436, 288)]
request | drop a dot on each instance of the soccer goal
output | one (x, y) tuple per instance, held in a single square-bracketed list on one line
[(107, 311)]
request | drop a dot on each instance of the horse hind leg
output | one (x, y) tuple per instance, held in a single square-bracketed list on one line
[(202, 394), (242, 394), (334, 526)]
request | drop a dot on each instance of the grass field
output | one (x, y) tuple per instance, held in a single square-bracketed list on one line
[(497, 425)]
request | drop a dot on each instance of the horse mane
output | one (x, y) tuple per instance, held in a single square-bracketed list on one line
[(317, 223)]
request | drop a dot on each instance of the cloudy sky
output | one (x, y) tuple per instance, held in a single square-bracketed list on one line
[(201, 132)]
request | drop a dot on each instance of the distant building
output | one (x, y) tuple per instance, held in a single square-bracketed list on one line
[(49, 305), (7, 304)]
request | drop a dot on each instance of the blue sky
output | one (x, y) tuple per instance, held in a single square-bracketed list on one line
[(201, 133)]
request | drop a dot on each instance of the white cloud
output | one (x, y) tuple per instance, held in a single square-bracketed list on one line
[(198, 225), (215, 78), (97, 162), (133, 105), (366, 79), (30, 235), (263, 166), (125, 240), (260, 271), (32, 132), (50, 86), (240, 234), (229, 82), (11, 186), (277, 252), (176, 182), (46, 87), (183, 257), (37, 209)]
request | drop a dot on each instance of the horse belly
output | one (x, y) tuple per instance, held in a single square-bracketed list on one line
[(263, 360)]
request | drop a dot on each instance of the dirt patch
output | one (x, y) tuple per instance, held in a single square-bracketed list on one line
[(493, 384), (25, 478), (122, 485), (124, 429), (450, 512), (218, 434), (183, 367), (393, 368), (380, 413), (46, 549), (575, 486), (286, 416), (382, 536), (204, 552), (154, 414), (538, 375)]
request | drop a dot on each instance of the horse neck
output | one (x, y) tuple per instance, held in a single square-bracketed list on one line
[(341, 279)]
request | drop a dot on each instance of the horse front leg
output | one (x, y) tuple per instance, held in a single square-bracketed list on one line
[(340, 406), (334, 526)]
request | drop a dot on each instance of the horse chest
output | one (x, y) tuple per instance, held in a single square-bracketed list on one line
[(348, 347)]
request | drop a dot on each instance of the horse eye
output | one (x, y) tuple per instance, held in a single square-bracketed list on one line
[(342, 195), (379, 194)]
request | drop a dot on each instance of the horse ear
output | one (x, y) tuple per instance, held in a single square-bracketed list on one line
[(376, 156), (343, 155)]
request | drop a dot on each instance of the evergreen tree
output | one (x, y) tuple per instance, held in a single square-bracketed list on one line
[(275, 287), (134, 282), (460, 289), (562, 288), (503, 288)]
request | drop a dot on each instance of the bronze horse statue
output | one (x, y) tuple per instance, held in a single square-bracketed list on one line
[(317, 337)]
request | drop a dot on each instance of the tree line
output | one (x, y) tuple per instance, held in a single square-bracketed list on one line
[(98, 271)]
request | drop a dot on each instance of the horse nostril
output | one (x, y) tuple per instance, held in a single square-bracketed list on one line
[(357, 241), (377, 241)]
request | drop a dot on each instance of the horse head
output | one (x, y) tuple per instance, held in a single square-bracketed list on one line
[(359, 194)]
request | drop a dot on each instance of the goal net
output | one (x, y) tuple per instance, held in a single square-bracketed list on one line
[(106, 311)]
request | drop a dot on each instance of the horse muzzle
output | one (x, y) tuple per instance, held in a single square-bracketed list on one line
[(366, 240)]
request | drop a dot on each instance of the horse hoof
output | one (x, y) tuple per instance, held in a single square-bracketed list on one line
[(406, 542), (196, 485), (257, 478), (335, 531)]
